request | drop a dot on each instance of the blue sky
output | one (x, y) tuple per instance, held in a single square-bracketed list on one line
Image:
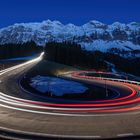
[(66, 11)]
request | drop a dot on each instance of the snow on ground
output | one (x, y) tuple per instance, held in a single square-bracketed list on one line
[(57, 86), (112, 66), (105, 46), (124, 74)]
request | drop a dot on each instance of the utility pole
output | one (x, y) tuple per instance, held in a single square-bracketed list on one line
[(106, 91), (49, 87)]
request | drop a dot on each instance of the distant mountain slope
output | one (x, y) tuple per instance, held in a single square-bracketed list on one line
[(93, 35)]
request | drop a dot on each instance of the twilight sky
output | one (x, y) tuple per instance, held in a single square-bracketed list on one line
[(74, 11)]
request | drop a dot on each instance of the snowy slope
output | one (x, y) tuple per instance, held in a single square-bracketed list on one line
[(93, 35)]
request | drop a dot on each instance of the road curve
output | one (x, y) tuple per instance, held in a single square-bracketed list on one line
[(34, 118)]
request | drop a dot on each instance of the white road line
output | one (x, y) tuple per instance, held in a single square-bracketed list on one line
[(125, 134), (49, 135)]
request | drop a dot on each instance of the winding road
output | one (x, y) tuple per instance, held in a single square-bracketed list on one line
[(23, 115)]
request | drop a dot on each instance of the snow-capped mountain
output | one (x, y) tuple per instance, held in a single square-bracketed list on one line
[(92, 36)]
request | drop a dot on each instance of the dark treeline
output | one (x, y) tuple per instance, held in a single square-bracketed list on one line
[(72, 54), (129, 65), (18, 50)]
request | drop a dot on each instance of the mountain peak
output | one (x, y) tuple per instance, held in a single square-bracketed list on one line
[(118, 24), (95, 22), (92, 34)]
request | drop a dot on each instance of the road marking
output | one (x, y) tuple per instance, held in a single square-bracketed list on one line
[(49, 135), (94, 137), (125, 134)]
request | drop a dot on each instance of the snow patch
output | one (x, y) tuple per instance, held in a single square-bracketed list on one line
[(56, 86)]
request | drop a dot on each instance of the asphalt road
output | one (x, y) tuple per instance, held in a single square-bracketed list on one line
[(17, 112)]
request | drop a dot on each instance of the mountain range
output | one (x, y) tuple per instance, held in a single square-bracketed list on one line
[(94, 35)]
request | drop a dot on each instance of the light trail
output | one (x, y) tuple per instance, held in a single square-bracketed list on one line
[(23, 64), (101, 106)]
